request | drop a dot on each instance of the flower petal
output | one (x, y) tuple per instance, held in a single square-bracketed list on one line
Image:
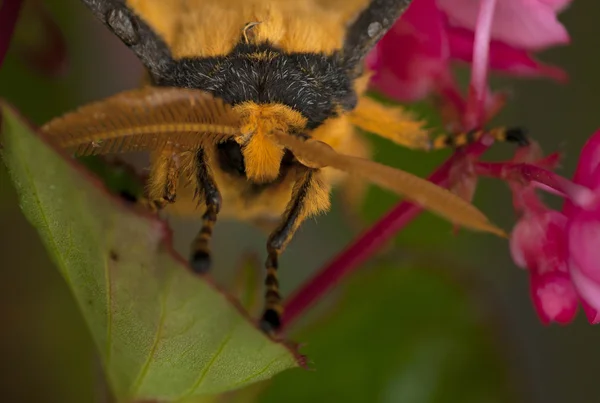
[(413, 55), (537, 242), (583, 232), (588, 170), (589, 160), (554, 297), (556, 5), (589, 291), (503, 58), (527, 24), (593, 315)]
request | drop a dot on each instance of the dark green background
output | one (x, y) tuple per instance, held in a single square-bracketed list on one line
[(47, 354)]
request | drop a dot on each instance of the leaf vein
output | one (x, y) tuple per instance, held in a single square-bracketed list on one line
[(157, 338), (257, 374), (210, 364), (50, 239)]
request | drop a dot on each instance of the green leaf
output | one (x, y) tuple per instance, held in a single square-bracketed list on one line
[(247, 283), (398, 335), (163, 333)]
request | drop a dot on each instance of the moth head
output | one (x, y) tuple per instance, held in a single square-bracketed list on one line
[(262, 153)]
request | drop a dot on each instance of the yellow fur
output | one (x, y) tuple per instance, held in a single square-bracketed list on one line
[(261, 153), (165, 165), (205, 28), (292, 26), (269, 205)]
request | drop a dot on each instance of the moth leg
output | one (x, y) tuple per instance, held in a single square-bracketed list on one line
[(500, 134), (162, 183), (200, 259), (309, 196), (400, 126), (134, 32)]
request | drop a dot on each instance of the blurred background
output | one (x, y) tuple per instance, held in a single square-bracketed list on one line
[(433, 318)]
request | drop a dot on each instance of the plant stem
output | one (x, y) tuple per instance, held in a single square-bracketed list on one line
[(368, 243), (476, 103)]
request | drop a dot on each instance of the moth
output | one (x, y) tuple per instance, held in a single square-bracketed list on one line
[(250, 109)]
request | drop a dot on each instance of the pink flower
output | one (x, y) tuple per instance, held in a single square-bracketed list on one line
[(583, 228), (561, 249), (413, 59), (504, 58), (538, 243), (525, 24)]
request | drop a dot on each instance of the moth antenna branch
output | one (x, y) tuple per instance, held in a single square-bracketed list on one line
[(146, 119)]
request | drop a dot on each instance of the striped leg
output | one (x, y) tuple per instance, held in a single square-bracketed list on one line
[(402, 127), (295, 213), (200, 259), (500, 134)]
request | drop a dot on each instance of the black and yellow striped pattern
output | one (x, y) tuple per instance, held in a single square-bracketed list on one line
[(296, 211), (271, 319), (200, 257), (500, 134), (155, 205)]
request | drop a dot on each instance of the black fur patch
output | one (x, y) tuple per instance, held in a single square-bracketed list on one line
[(231, 159), (311, 83)]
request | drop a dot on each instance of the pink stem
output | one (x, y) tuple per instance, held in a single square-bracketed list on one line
[(476, 102), (9, 13), (367, 244)]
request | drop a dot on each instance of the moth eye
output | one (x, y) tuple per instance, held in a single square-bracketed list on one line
[(231, 158)]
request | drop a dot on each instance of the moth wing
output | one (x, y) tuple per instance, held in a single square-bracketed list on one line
[(145, 119), (430, 196)]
